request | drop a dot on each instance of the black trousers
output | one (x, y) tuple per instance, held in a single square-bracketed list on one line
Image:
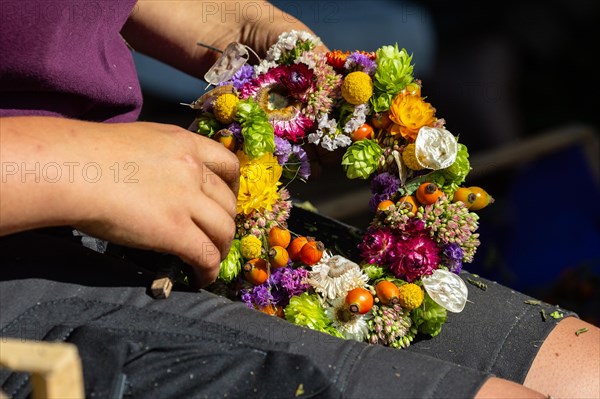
[(197, 344)]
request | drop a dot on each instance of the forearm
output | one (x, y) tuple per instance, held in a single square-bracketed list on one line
[(40, 172), (169, 30)]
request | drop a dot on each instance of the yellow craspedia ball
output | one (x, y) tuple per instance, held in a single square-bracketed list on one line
[(225, 107), (357, 88), (411, 296), (250, 246), (410, 158)]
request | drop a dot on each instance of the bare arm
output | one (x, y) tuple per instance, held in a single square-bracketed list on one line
[(146, 185), (169, 30)]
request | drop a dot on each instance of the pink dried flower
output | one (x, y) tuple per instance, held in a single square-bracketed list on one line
[(375, 245), (414, 257)]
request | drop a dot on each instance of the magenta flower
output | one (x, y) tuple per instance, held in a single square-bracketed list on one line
[(414, 257), (375, 246), (278, 92), (297, 78)]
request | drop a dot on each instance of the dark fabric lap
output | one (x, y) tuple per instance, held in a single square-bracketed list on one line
[(497, 332), (203, 345)]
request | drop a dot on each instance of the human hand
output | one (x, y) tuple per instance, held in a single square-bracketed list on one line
[(169, 30), (182, 200), (145, 185)]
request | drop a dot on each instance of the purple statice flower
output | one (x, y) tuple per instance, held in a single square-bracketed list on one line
[(294, 281), (360, 62), (280, 295), (304, 163), (241, 77), (385, 183), (383, 186), (297, 79), (376, 244), (236, 129), (258, 296), (414, 257), (283, 150), (452, 256)]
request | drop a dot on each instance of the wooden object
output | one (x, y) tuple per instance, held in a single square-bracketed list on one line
[(167, 268), (161, 288), (55, 367)]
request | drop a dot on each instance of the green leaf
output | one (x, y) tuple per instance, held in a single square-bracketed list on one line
[(557, 315)]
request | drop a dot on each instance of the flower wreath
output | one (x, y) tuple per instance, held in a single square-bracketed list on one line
[(423, 227)]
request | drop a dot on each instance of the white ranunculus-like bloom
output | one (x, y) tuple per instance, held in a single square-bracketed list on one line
[(351, 325), (435, 148), (334, 276)]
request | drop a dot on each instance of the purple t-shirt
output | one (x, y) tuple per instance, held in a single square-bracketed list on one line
[(67, 58)]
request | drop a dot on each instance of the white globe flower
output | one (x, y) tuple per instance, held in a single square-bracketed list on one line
[(435, 148)]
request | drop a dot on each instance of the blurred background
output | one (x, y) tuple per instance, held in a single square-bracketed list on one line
[(517, 83)]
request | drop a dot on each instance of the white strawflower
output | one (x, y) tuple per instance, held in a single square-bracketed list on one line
[(335, 275), (351, 325)]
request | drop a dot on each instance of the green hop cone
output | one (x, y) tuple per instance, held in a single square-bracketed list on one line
[(232, 264), (458, 171), (258, 133), (306, 310), (393, 73), (361, 159), (429, 317), (374, 272), (208, 125)]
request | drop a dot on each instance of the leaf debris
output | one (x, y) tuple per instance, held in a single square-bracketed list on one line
[(300, 390), (557, 315), (479, 284), (532, 302), (543, 313), (581, 331)]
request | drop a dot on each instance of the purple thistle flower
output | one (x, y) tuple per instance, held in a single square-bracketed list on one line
[(360, 62), (283, 150), (376, 244)]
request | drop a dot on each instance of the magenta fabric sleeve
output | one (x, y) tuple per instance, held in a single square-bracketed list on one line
[(67, 58)]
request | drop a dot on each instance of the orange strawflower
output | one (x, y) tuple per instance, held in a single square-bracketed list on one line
[(337, 58), (410, 112)]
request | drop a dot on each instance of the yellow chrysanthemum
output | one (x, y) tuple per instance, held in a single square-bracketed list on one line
[(259, 182), (250, 246), (409, 157), (357, 88), (410, 112), (411, 296), (225, 107)]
